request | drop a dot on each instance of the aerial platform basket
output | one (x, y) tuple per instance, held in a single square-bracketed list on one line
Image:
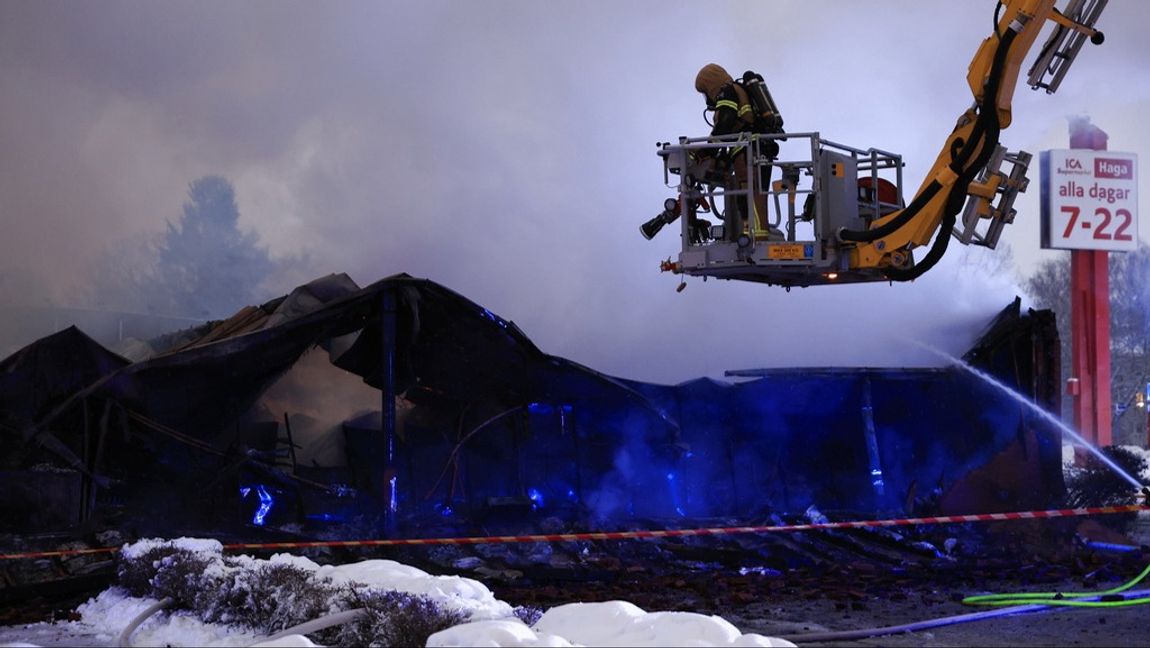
[(772, 208), (812, 190)]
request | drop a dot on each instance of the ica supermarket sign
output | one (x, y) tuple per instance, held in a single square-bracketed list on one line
[(1089, 200)]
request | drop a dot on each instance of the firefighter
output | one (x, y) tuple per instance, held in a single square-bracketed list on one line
[(734, 112)]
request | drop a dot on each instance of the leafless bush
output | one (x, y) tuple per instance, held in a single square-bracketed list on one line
[(267, 599), (392, 619), (164, 572), (1097, 484), (528, 614)]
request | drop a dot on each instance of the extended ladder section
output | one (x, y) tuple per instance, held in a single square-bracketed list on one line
[(750, 215), (1062, 46)]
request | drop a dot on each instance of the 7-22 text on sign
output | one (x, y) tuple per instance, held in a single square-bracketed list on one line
[(1089, 200)]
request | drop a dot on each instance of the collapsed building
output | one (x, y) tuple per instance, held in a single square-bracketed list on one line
[(405, 409)]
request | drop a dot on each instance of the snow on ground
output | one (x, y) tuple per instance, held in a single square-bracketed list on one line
[(491, 621), (612, 623), (110, 612), (463, 594)]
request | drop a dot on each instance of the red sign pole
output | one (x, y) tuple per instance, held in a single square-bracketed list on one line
[(1090, 318)]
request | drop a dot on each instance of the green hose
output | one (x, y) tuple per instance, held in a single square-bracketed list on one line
[(1065, 599)]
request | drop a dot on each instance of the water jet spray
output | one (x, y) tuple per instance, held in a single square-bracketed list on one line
[(1057, 422)]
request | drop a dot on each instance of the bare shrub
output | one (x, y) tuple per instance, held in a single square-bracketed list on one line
[(1097, 484), (528, 614), (267, 599), (392, 619), (164, 572)]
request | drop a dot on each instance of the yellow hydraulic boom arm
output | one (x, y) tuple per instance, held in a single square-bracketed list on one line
[(887, 243)]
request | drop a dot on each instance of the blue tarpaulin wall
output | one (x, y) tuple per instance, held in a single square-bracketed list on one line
[(794, 438)]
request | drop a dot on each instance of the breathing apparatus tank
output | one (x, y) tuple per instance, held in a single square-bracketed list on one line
[(767, 117)]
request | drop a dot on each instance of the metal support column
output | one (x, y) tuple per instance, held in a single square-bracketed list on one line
[(387, 407), (873, 458), (1090, 318)]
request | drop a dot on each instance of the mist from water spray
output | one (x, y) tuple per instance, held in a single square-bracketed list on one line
[(1054, 420)]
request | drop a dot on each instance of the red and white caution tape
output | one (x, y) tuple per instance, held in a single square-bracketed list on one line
[(632, 535)]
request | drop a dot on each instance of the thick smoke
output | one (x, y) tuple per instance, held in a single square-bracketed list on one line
[(511, 164)]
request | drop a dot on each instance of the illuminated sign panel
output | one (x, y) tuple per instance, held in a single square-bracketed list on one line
[(1089, 200)]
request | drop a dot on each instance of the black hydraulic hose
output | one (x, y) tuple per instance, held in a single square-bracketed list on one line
[(926, 195), (894, 224), (933, 256), (920, 201), (949, 219), (987, 113), (987, 121), (953, 206)]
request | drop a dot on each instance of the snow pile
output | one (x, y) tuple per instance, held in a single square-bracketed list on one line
[(412, 598), (455, 592), (237, 600), (109, 613), (614, 623), (208, 549)]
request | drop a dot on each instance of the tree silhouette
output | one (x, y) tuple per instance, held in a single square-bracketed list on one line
[(206, 266)]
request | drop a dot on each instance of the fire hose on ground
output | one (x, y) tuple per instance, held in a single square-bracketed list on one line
[(125, 639), (1009, 604), (1014, 603), (308, 627)]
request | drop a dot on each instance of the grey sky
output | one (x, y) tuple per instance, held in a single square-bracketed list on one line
[(506, 150)]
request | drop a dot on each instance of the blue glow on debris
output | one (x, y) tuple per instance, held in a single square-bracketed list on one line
[(266, 502)]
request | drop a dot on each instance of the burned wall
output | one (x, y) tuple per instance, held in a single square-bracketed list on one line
[(497, 430)]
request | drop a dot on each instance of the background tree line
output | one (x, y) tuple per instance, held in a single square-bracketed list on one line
[(1129, 275)]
